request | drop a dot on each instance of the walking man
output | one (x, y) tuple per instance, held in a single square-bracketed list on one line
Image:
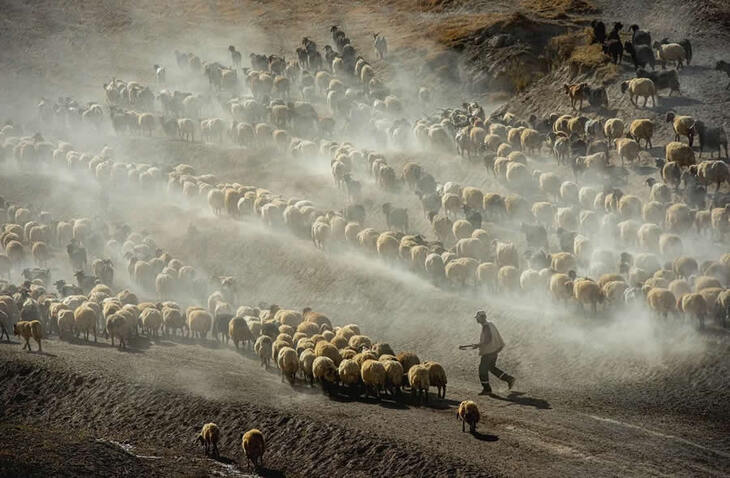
[(490, 344)]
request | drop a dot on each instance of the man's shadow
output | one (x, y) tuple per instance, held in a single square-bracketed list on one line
[(518, 398)]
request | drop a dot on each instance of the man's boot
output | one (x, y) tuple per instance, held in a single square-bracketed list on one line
[(486, 390)]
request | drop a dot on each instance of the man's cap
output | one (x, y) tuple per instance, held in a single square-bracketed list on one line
[(480, 313)]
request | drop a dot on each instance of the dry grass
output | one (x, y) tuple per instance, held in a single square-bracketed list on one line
[(453, 30), (560, 8), (588, 56)]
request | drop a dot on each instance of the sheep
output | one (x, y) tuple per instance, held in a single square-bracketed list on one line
[(642, 129), (172, 319), (693, 304), (253, 447), (85, 320), (561, 287), (672, 174), (325, 371), (419, 380), (437, 377), (239, 331), (648, 235), (468, 413), (27, 330), (263, 348), (640, 87), (209, 437), (613, 128), (151, 319), (349, 373), (396, 218), (711, 138), (373, 376), (199, 322), (288, 363), (661, 301), (324, 349), (585, 291), (671, 52), (662, 79), (627, 149), (614, 49), (506, 253), (641, 55), (682, 125), (577, 94)]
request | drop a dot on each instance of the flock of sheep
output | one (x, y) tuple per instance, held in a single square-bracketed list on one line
[(548, 230)]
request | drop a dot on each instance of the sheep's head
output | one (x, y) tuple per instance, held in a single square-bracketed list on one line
[(624, 86)]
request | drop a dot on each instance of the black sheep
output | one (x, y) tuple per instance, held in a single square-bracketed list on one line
[(614, 49), (639, 37), (711, 138), (614, 35), (668, 79), (599, 31), (641, 55)]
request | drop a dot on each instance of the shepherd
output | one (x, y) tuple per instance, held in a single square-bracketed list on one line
[(490, 344)]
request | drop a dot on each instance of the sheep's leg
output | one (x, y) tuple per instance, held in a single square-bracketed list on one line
[(463, 426)]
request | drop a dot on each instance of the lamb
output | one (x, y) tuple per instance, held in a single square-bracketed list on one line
[(27, 330), (671, 52), (468, 413), (419, 380), (679, 153), (263, 349), (642, 129), (711, 138), (393, 375), (640, 87), (437, 377), (209, 437), (253, 446)]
